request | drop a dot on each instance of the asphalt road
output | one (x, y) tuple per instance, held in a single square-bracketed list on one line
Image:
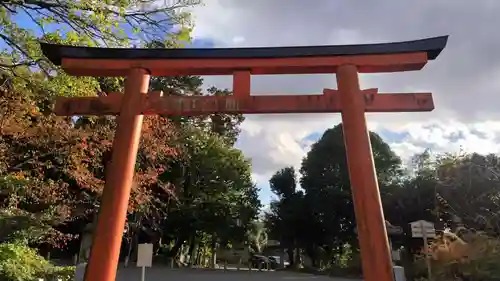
[(166, 274)]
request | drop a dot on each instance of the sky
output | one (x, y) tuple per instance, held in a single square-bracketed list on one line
[(465, 79)]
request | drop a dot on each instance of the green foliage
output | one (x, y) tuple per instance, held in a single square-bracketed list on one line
[(216, 193), (189, 177), (288, 219), (23, 218), (346, 263), (325, 179), (19, 262), (320, 217), (284, 183), (257, 236), (64, 273), (82, 23), (449, 188)]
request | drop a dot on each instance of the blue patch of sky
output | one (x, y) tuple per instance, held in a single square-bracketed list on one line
[(25, 20), (384, 133), (387, 135), (390, 136), (313, 137), (265, 194), (201, 43)]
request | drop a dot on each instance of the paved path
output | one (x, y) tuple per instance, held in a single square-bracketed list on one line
[(165, 274)]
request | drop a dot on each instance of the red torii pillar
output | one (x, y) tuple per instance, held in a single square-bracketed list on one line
[(346, 61)]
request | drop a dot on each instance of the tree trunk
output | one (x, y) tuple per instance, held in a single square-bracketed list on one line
[(291, 256), (199, 257), (213, 258), (134, 246), (129, 251), (298, 259), (156, 244), (193, 250), (177, 246), (311, 252)]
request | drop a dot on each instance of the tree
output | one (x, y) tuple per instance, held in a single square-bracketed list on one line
[(82, 23), (257, 236), (224, 125), (414, 196), (189, 179), (450, 189), (469, 191), (325, 180), (289, 218), (86, 22), (24, 215), (68, 158), (214, 192)]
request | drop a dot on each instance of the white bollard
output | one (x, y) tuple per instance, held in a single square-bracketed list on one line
[(80, 271), (399, 273)]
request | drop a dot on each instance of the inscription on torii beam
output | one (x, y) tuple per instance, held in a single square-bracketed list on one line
[(187, 104)]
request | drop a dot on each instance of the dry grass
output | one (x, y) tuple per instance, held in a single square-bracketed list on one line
[(453, 258)]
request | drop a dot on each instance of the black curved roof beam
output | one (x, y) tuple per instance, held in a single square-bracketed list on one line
[(261, 60)]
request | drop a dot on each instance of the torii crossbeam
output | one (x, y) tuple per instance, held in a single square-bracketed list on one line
[(346, 61)]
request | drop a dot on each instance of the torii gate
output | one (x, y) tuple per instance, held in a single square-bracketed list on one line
[(346, 61)]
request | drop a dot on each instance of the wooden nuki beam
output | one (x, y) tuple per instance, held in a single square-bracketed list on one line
[(104, 105), (156, 103)]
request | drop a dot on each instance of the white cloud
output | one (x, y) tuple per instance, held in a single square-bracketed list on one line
[(238, 40), (448, 136), (464, 79)]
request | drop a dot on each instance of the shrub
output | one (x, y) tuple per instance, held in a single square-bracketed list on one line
[(19, 262), (454, 259), (64, 273)]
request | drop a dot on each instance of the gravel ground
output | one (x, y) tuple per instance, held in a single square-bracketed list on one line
[(166, 274)]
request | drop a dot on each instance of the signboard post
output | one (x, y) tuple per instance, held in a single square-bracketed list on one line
[(424, 229), (144, 258)]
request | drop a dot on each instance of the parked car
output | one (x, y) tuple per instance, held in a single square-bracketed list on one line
[(263, 262), (274, 259)]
